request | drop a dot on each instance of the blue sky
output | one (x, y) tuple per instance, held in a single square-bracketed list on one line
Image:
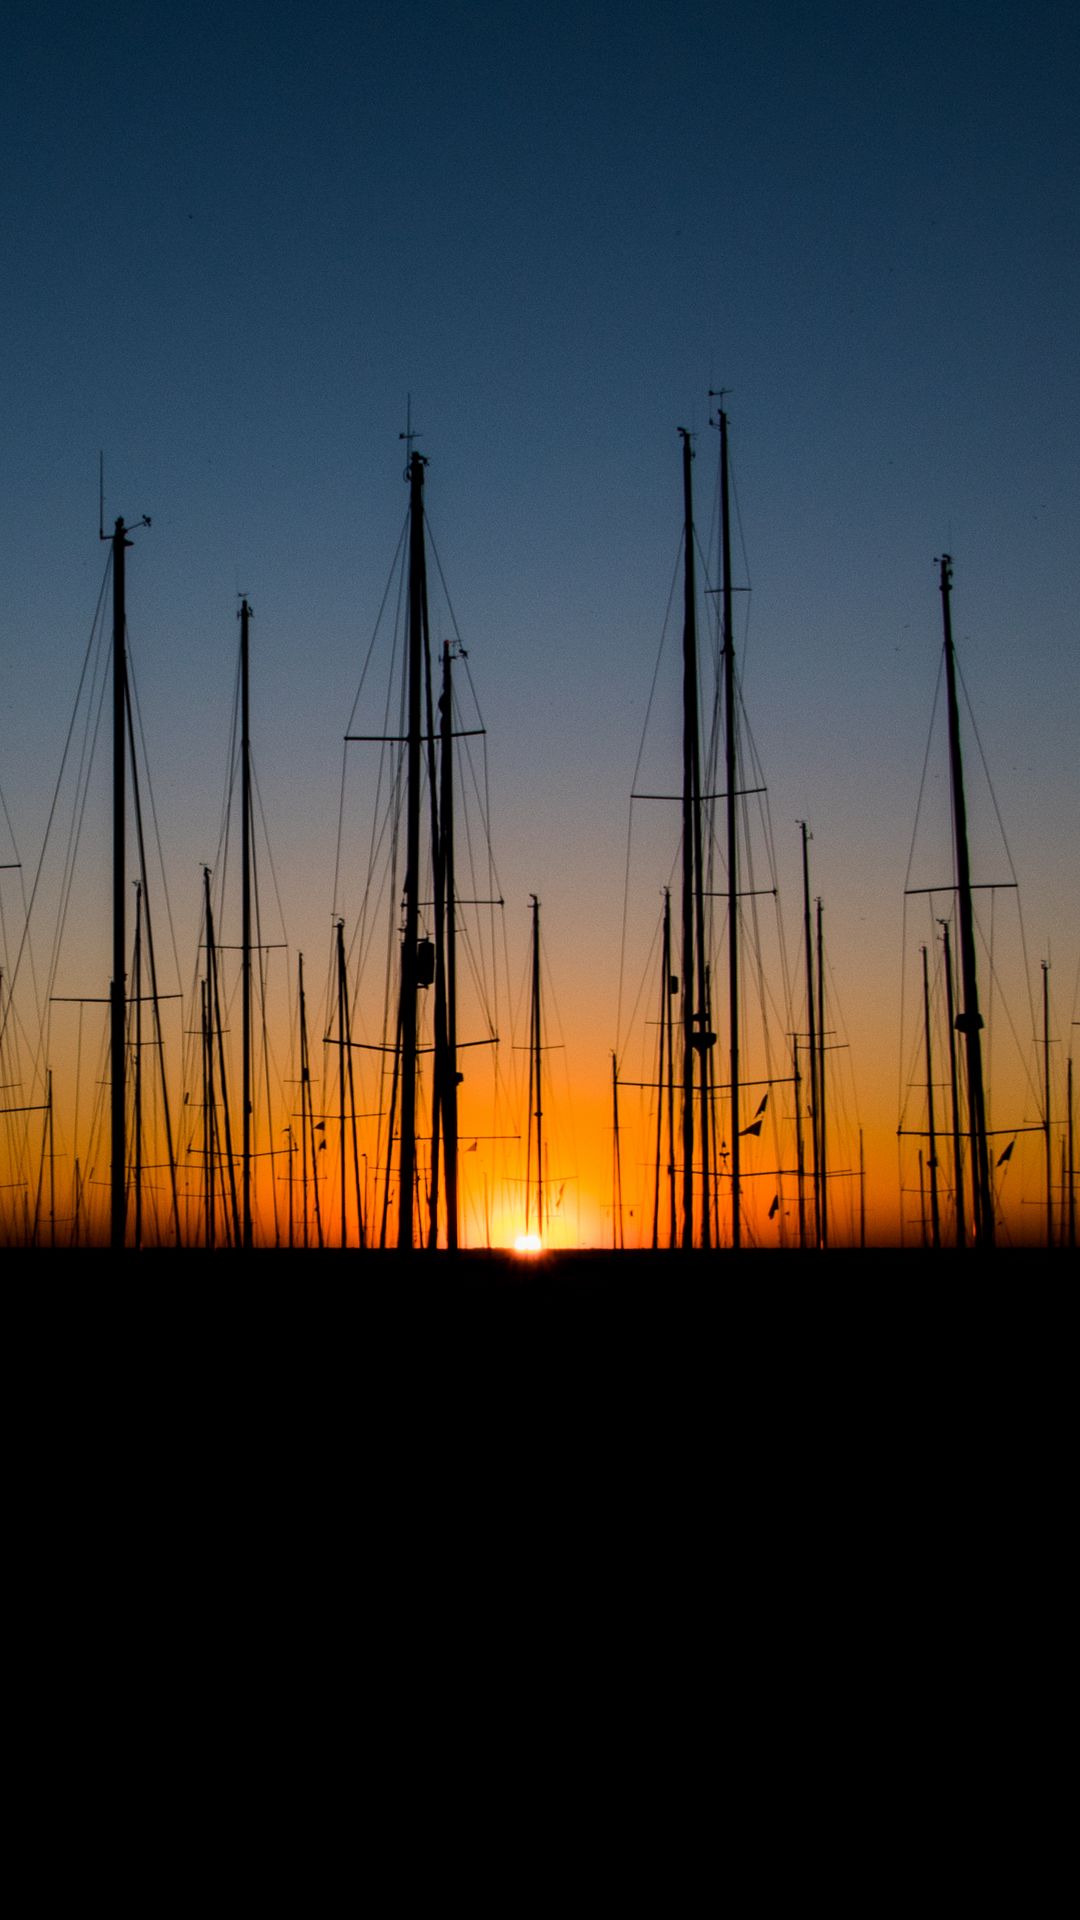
[(237, 240)]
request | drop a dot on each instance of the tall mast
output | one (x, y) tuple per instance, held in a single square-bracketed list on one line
[(811, 1033), (935, 1220), (969, 1020), (304, 1093), (449, 1075), (208, 1118), (408, 1021), (693, 986), (616, 1165), (137, 1117), (823, 1167), (1071, 1170), (664, 1074), (672, 988), (342, 1043), (954, 1093), (1046, 1106), (117, 1052), (536, 1103), (117, 1010), (245, 932), (732, 842), (52, 1161), (800, 1162)]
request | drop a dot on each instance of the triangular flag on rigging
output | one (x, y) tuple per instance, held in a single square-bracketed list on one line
[(775, 1205), (1007, 1155)]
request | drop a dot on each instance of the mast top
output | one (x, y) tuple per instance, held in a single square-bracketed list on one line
[(409, 436), (120, 529)]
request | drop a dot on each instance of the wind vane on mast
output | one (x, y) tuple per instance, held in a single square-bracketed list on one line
[(409, 434)]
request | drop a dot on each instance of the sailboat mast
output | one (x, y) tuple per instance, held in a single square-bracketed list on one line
[(811, 1033), (668, 1077), (536, 1048), (342, 1043), (1046, 1106), (616, 1165), (117, 1047), (449, 1076), (954, 1092), (208, 1114), (52, 1161), (935, 1220), (662, 1074), (408, 1022), (800, 1162), (245, 928), (969, 1020), (732, 839), (137, 1116), (691, 863), (1071, 1174), (823, 1168)]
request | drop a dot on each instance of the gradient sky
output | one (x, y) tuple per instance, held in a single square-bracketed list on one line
[(237, 240)]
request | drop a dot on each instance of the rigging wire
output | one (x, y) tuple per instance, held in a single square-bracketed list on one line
[(1005, 844), (900, 1100), (664, 631)]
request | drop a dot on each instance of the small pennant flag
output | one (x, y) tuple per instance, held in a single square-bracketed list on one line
[(1007, 1155), (471, 1149), (775, 1205)]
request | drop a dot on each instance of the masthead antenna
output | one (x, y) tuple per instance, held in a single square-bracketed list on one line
[(409, 434), (143, 521)]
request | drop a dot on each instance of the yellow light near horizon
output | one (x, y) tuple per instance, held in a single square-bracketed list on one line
[(527, 1243)]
